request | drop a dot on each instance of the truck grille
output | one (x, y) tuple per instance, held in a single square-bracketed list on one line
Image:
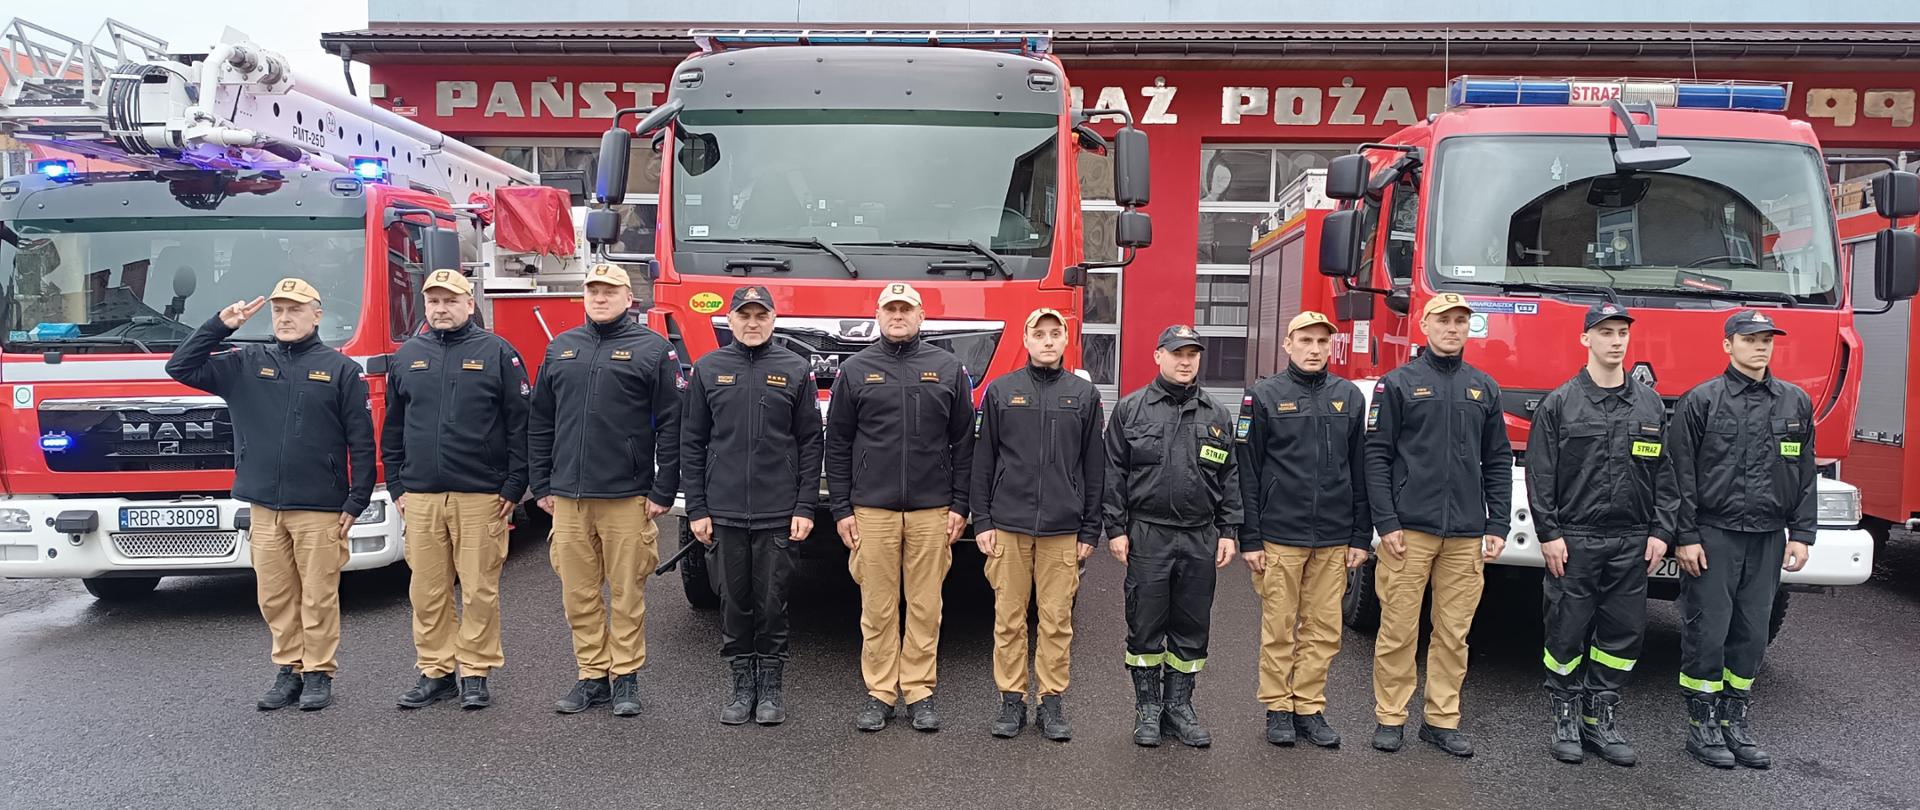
[(112, 439), (147, 545)]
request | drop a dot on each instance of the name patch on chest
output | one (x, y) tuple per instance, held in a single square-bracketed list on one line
[(417, 365), (1646, 449), (1287, 407), (1018, 400), (930, 376), (1069, 402), (319, 376), (1422, 392), (622, 355), (1790, 449), (567, 354), (875, 377), (269, 372), (473, 365), (1217, 455), (723, 379), (777, 380)]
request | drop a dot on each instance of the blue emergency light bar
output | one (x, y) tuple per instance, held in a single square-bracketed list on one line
[(1520, 91), (1021, 42), (58, 442), (370, 169), (56, 169)]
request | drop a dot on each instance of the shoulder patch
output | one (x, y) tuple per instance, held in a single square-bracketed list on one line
[(979, 418), (525, 389), (1242, 427)]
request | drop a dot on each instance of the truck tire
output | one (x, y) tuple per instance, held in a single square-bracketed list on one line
[(694, 578), (120, 589), (1779, 616), (1360, 608)]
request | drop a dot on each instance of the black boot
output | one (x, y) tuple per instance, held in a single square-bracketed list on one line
[(1146, 705), (1601, 733), (1704, 738), (739, 706), (1176, 695), (1732, 711), (587, 693), (474, 694), (770, 708), (284, 691), (1280, 728), (625, 695), (1449, 740), (1566, 729), (316, 691), (1013, 716), (1314, 729), (428, 691), (1052, 719)]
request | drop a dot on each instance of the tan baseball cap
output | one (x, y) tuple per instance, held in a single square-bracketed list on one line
[(1444, 302), (1045, 312), (899, 291), (450, 280), (294, 289), (1309, 318), (605, 273)]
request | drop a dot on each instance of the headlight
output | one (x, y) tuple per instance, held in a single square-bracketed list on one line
[(1840, 508), (376, 513), (15, 520)]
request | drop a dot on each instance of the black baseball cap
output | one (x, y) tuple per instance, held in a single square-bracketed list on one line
[(1180, 336), (754, 294), (1751, 322), (1606, 311)]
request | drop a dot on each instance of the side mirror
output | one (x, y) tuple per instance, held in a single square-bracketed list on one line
[(602, 227), (442, 248), (1896, 262), (1896, 195), (1400, 301), (1133, 229), (1347, 177), (1075, 276), (610, 184), (1338, 236), (1130, 186), (659, 117)]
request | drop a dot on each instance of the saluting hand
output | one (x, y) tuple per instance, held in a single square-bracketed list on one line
[(238, 312)]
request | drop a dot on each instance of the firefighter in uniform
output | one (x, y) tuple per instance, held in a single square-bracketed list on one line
[(750, 462), (1743, 452), (454, 443), (304, 463), (1173, 516), (1039, 471), (605, 448), (1439, 482), (1304, 490), (1600, 482), (899, 440)]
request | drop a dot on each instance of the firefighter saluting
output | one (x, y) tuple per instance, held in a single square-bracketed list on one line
[(1173, 516)]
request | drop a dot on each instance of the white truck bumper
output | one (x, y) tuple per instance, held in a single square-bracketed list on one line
[(43, 551)]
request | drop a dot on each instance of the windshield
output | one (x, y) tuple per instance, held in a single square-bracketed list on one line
[(860, 176), (143, 284), (1739, 217)]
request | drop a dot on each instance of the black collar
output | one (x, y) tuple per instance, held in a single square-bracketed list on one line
[(1742, 383), (610, 329), (303, 345), (901, 348), (1447, 363), (1043, 373), (1310, 379), (1596, 393), (456, 334)]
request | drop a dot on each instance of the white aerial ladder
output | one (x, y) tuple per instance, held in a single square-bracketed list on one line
[(123, 98)]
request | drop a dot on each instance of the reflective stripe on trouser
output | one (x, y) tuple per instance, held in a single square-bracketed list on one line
[(1454, 567), (1595, 615), (900, 551), (752, 567), (1300, 596), (611, 542), (1045, 571), (455, 536), (1726, 610), (1169, 589), (297, 556)]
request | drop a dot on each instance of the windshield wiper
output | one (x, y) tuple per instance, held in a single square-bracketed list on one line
[(815, 243), (971, 246), (92, 340), (1544, 287), (1784, 299)]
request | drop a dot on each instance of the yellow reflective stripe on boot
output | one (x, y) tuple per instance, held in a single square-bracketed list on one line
[(1188, 667), (1698, 685), (1737, 682), (1151, 660), (1608, 659), (1558, 668)]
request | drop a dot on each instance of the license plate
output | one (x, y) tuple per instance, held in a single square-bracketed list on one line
[(1669, 568), (169, 517)]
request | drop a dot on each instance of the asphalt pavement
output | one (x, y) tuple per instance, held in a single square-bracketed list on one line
[(151, 705)]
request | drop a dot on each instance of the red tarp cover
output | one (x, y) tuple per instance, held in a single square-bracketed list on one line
[(533, 219)]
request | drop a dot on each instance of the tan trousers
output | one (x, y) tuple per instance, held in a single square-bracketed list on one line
[(456, 536), (900, 550), (1299, 624), (605, 541), (1045, 570), (1453, 565), (297, 557)]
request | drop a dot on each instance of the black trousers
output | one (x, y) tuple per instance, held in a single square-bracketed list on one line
[(1596, 615), (1169, 586), (753, 567), (1727, 609)]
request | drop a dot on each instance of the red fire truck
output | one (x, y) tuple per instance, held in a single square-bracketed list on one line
[(1538, 197), (173, 186), (827, 164)]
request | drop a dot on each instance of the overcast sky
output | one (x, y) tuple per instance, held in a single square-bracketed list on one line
[(292, 28)]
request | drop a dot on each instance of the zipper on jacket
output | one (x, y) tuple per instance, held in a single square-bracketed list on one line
[(279, 474), (586, 415)]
